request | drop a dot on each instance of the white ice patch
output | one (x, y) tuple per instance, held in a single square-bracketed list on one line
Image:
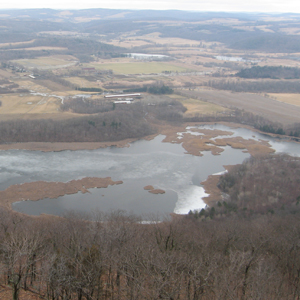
[(179, 135), (195, 133), (190, 199), (221, 173)]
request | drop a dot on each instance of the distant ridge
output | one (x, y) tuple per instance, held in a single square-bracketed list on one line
[(86, 15)]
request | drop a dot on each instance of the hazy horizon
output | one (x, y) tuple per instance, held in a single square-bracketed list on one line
[(267, 6)]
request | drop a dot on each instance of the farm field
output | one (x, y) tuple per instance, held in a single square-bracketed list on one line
[(42, 48), (195, 63), (293, 99), (28, 104), (45, 63), (198, 107), (254, 103), (82, 82), (155, 39), (33, 85), (139, 67), (16, 43)]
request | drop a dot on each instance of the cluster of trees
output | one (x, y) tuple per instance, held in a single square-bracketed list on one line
[(89, 89), (107, 122), (95, 128), (170, 111), (82, 48), (234, 38), (153, 89), (275, 43), (271, 129), (248, 118), (264, 184), (116, 257), (266, 86), (6, 55), (8, 87), (161, 90), (270, 72), (294, 130), (85, 106)]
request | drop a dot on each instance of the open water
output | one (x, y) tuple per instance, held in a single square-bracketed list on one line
[(163, 165)]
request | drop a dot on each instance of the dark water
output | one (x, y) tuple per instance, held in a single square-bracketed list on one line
[(163, 165)]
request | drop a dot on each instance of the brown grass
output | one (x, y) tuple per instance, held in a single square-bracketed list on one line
[(82, 82), (49, 147), (195, 145), (40, 189), (53, 86), (254, 103), (28, 104), (293, 99), (46, 62), (42, 48), (195, 107), (16, 43)]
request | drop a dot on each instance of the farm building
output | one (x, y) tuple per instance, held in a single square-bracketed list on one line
[(122, 95), (123, 101)]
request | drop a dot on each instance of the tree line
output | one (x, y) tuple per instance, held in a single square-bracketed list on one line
[(152, 89), (265, 86), (272, 72)]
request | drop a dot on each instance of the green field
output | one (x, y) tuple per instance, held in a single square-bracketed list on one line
[(139, 67)]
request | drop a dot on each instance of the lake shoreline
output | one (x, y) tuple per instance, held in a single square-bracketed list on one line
[(168, 130), (39, 190), (194, 140)]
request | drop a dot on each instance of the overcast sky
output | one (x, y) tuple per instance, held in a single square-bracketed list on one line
[(198, 5)]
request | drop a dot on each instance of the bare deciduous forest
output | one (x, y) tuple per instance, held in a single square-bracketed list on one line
[(70, 258), (57, 70), (115, 125)]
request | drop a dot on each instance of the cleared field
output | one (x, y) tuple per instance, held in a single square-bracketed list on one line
[(264, 106), (128, 43), (5, 74), (293, 99), (176, 42), (33, 85), (82, 82), (139, 67), (195, 107), (28, 104), (16, 44), (44, 63), (42, 48), (53, 86)]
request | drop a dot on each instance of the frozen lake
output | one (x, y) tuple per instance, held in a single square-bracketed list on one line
[(162, 165)]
